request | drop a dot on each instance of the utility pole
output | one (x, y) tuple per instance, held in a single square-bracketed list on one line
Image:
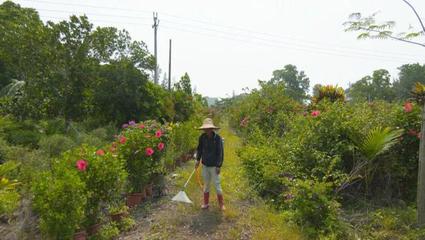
[(169, 68), (155, 27)]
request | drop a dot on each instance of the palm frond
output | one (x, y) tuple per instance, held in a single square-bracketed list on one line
[(378, 141)]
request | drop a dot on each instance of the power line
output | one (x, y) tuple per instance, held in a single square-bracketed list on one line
[(289, 49), (263, 43), (290, 43), (280, 37), (267, 41)]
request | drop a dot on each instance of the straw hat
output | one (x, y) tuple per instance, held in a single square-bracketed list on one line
[(208, 124)]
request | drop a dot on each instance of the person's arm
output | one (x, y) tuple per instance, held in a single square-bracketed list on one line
[(198, 152), (220, 155)]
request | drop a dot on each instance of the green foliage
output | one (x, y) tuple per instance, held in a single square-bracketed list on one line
[(369, 28), (313, 207), (409, 75), (9, 196), (377, 141), (104, 178), (108, 231), (331, 93), (56, 144), (268, 108), (183, 139), (296, 83), (389, 223), (60, 214), (372, 88)]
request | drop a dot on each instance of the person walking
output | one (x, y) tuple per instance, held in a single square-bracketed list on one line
[(210, 151)]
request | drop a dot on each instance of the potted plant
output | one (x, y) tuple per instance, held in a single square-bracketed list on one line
[(141, 145), (117, 213)]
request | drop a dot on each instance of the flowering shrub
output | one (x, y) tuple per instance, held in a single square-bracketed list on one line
[(141, 146), (87, 179)]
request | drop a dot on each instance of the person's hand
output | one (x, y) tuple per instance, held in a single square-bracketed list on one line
[(197, 164), (217, 170)]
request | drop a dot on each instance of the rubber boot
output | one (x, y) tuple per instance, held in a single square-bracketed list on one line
[(221, 202), (206, 200)]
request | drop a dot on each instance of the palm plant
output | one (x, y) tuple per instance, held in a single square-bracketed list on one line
[(12, 88), (377, 141)]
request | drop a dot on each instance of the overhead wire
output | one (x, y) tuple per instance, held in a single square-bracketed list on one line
[(280, 37), (281, 43)]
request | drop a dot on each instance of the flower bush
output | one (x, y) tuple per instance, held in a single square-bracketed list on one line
[(99, 179), (141, 146)]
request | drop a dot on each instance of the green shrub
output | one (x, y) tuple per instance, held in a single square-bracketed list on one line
[(9, 196), (60, 201), (108, 231), (26, 133), (314, 208), (56, 144)]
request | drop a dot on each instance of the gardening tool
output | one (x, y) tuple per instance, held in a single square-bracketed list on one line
[(182, 196)]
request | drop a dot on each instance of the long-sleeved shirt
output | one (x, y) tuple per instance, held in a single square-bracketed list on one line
[(210, 149)]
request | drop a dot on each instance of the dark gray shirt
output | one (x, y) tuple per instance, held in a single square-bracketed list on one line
[(210, 149)]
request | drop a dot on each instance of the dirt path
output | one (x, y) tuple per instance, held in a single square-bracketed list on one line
[(246, 217)]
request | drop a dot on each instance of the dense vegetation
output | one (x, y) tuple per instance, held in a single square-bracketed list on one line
[(82, 125), (334, 161)]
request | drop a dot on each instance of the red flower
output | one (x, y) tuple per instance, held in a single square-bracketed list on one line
[(315, 113), (123, 140), (408, 107), (142, 126), (158, 134), (81, 165), (161, 146), (149, 151), (100, 152)]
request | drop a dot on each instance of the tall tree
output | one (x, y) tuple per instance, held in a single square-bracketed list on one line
[(296, 83), (408, 76), (371, 88), (370, 29)]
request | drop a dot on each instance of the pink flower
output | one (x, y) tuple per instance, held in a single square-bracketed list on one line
[(125, 125), (123, 140), (81, 165), (408, 107), (161, 146), (149, 151), (158, 134), (132, 123), (100, 152), (112, 149), (142, 126), (315, 113)]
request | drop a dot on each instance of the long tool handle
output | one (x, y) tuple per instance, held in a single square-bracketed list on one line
[(189, 178)]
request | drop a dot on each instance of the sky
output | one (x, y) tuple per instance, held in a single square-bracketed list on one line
[(227, 46)]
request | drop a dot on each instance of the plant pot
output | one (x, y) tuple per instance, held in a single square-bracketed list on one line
[(117, 217), (81, 235), (148, 190), (133, 199), (142, 196), (93, 229)]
